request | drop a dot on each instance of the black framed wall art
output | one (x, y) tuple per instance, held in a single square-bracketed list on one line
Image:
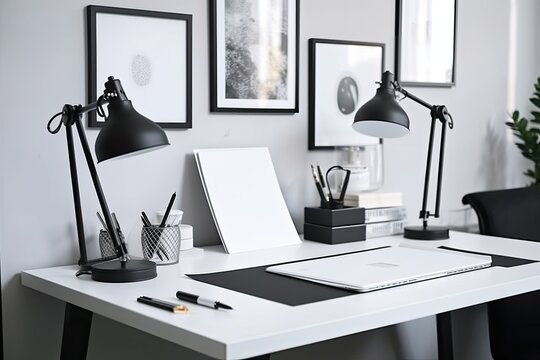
[(150, 52), (426, 42), (343, 75), (254, 56)]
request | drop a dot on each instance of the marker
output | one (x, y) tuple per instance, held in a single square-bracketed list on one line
[(165, 305), (195, 299)]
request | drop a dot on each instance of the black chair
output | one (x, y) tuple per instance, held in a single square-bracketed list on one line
[(514, 322)]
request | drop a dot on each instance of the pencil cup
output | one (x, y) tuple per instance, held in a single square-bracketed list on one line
[(106, 246), (161, 244)]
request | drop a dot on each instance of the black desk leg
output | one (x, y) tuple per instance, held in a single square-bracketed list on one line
[(444, 336), (77, 323)]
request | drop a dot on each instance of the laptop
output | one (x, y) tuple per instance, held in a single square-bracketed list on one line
[(382, 268)]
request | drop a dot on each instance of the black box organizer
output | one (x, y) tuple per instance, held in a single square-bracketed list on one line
[(334, 226)]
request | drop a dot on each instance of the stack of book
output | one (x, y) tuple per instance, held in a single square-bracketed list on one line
[(384, 212)]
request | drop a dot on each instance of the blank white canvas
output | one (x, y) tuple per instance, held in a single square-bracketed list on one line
[(245, 199)]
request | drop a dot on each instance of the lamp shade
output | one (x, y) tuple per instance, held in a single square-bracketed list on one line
[(126, 131), (382, 116)]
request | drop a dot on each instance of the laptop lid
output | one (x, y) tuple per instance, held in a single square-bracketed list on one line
[(382, 268)]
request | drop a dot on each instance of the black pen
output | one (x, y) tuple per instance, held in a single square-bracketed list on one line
[(195, 299), (321, 178), (322, 194), (165, 305), (166, 215), (145, 219)]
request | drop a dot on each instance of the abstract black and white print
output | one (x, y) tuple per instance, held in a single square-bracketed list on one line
[(256, 49)]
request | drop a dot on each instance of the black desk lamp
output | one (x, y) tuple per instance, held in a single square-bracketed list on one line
[(125, 132), (383, 117)]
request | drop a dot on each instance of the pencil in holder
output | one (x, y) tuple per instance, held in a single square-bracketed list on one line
[(106, 246), (161, 244)]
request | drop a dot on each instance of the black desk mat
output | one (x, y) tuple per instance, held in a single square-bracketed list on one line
[(496, 260), (291, 291)]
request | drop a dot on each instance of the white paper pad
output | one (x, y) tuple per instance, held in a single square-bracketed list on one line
[(245, 199)]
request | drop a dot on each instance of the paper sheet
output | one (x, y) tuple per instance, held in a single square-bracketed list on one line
[(245, 199)]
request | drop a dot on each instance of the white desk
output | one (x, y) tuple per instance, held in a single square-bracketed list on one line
[(256, 326)]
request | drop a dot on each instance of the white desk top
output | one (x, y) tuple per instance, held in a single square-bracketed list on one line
[(257, 326)]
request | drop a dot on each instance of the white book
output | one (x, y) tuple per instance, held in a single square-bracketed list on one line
[(245, 199), (385, 228), (373, 200), (373, 215)]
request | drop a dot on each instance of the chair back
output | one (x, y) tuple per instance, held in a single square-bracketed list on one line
[(512, 213), (514, 322)]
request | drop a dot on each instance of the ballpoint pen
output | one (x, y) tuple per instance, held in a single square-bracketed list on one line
[(102, 221), (166, 215), (319, 171), (324, 184), (165, 305), (322, 194), (116, 224), (195, 299)]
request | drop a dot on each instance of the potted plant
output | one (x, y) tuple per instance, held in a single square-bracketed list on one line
[(528, 131)]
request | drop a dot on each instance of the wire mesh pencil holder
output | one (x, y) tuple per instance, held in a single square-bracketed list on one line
[(106, 246), (161, 244)]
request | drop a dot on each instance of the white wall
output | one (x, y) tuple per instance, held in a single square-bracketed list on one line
[(42, 66)]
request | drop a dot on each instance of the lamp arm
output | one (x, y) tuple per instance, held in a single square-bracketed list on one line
[(72, 115), (438, 112), (121, 251), (413, 97)]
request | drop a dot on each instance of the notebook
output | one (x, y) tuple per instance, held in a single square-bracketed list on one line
[(382, 268), (245, 199)]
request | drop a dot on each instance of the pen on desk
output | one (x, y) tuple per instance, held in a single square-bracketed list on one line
[(166, 215), (195, 299), (165, 305)]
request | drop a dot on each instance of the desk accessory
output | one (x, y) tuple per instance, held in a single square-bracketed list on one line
[(125, 132), (161, 244), (196, 299), (106, 246), (186, 237), (334, 226), (232, 179), (382, 116), (325, 193), (165, 305)]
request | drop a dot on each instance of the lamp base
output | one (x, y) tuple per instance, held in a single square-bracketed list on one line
[(117, 272), (426, 233)]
